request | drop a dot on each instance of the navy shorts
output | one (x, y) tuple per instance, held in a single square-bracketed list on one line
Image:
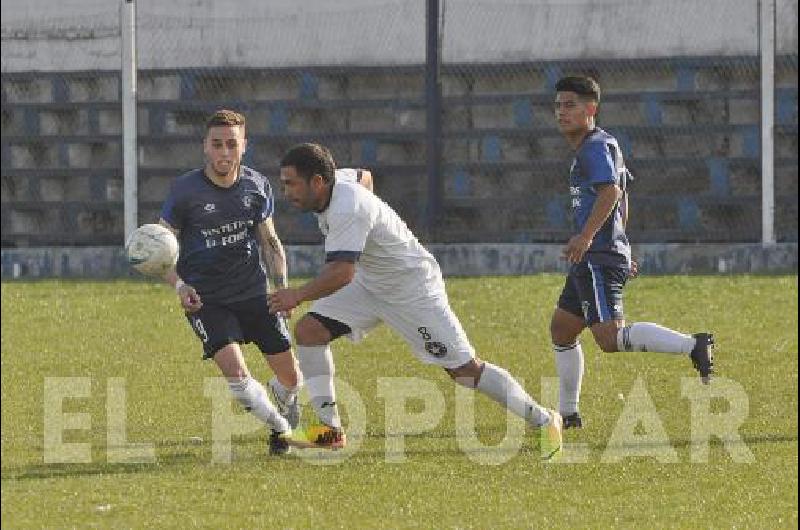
[(594, 292), (218, 325)]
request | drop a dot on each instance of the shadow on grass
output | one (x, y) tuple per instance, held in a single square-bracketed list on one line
[(46, 471), (188, 457), (713, 441), (531, 445)]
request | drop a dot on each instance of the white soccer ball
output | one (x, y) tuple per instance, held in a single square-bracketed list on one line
[(152, 249)]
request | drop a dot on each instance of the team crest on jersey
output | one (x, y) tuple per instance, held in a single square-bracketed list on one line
[(437, 349), (210, 207), (247, 201)]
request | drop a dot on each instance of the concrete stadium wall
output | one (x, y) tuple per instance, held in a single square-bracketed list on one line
[(455, 260), (688, 127), (84, 34)]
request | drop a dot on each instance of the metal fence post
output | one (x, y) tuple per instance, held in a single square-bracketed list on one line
[(433, 98), (766, 45), (129, 158)]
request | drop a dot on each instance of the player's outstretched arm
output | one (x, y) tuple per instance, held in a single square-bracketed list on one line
[(188, 296), (273, 253), (333, 276)]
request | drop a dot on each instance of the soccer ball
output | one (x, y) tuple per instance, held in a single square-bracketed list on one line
[(152, 249)]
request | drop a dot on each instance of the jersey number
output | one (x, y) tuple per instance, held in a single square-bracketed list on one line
[(200, 329)]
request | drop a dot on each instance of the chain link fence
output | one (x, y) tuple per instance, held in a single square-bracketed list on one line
[(680, 91), (61, 156), (680, 84)]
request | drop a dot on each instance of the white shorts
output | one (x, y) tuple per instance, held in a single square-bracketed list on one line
[(428, 325)]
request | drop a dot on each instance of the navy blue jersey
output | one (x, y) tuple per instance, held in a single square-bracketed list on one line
[(598, 161), (219, 254)]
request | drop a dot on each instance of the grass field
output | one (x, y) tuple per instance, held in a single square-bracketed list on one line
[(135, 331)]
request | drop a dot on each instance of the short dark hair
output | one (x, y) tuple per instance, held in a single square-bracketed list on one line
[(311, 159), (225, 118), (582, 85)]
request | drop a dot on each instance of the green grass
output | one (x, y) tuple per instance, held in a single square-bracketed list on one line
[(135, 331)]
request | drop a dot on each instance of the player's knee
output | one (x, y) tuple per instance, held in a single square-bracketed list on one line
[(562, 335), (291, 379), (310, 332), (231, 364), (564, 328), (607, 342), (466, 375), (304, 333)]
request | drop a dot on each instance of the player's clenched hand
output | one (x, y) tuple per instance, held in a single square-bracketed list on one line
[(576, 248), (283, 300), (190, 300), (634, 268)]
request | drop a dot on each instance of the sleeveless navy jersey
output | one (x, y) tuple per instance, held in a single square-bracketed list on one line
[(219, 253), (598, 160)]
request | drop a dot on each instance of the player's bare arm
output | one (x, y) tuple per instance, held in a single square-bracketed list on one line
[(607, 197), (366, 179), (624, 207), (273, 253), (334, 276), (624, 204), (361, 176), (187, 294)]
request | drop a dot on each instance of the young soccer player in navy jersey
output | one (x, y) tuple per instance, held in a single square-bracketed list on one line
[(222, 216), (600, 256)]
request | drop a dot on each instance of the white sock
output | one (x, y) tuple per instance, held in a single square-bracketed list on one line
[(316, 363), (569, 360), (253, 397), (646, 336), (498, 384), (284, 393)]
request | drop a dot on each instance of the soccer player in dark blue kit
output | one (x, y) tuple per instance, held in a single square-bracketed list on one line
[(222, 216), (600, 256)]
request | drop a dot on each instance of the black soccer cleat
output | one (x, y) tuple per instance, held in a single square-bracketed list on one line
[(703, 356), (572, 421), (278, 444)]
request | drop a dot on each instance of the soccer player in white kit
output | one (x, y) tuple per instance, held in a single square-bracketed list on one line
[(376, 271)]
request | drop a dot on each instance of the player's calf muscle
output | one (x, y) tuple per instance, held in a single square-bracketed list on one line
[(310, 332)]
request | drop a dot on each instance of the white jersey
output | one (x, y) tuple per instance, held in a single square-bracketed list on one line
[(390, 262)]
